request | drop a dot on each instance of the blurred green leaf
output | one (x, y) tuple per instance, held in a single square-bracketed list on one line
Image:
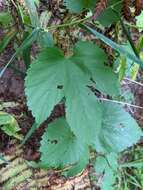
[(31, 5), (44, 18), (26, 51), (77, 6), (9, 125), (107, 166), (5, 18), (122, 68), (108, 16), (46, 39), (139, 21), (7, 39), (26, 43)]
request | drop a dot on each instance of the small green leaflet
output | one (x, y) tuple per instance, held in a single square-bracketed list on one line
[(77, 6), (119, 130), (5, 18), (108, 16), (9, 125), (122, 67), (6, 39), (108, 166), (46, 40), (102, 162), (127, 68), (59, 146), (31, 5)]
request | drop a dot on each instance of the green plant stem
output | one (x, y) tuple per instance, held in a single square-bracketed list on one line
[(122, 103), (127, 34), (129, 38), (133, 81), (133, 26), (63, 25), (13, 4), (17, 71), (68, 24)]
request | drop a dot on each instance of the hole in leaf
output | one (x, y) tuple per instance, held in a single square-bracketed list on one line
[(54, 142), (60, 87)]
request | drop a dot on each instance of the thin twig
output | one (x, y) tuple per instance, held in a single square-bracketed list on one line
[(119, 102), (132, 81), (14, 4), (68, 24)]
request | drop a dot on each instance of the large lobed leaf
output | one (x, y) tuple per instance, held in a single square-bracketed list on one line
[(52, 76)]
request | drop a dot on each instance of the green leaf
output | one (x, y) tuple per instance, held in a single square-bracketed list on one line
[(6, 40), (103, 162), (119, 130), (108, 16), (5, 18), (43, 80), (25, 44), (31, 5), (139, 21), (114, 45), (78, 167), (127, 68), (108, 179), (94, 61), (112, 159), (59, 146), (46, 39), (77, 6), (122, 68), (9, 125), (79, 103), (26, 52), (100, 164), (44, 19), (108, 166), (56, 76)]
